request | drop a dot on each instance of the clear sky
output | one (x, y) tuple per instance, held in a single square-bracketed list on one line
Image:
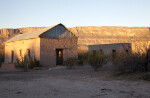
[(38, 13)]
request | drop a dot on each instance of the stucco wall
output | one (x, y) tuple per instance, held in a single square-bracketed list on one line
[(23, 45), (48, 49)]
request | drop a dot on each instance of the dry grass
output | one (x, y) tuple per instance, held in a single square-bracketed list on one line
[(129, 62)]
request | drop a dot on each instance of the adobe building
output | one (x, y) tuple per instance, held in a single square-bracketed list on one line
[(110, 48), (51, 46), (135, 47)]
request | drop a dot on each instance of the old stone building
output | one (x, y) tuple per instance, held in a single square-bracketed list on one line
[(135, 47), (111, 48), (51, 46)]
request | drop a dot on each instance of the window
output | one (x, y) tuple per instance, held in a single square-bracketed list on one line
[(127, 51), (12, 56), (101, 51), (20, 52), (94, 52), (113, 51), (28, 52)]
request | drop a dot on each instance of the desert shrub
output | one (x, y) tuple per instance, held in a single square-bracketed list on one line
[(82, 57), (33, 62), (128, 62), (146, 76), (22, 62), (70, 62), (97, 60), (27, 62)]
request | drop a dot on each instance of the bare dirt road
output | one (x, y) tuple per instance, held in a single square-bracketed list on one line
[(80, 82)]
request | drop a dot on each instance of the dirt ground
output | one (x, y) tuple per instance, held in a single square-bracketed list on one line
[(79, 82)]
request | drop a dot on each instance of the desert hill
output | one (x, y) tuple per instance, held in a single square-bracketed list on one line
[(90, 35), (6, 34)]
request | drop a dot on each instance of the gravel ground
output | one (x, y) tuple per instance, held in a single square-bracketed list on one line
[(79, 82)]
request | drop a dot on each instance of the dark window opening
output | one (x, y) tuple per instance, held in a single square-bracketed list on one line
[(114, 51), (101, 51), (29, 53), (127, 51), (94, 52), (20, 52), (12, 56)]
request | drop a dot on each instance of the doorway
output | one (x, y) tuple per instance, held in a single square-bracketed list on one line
[(12, 56), (59, 56)]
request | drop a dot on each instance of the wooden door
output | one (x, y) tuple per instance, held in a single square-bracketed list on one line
[(59, 56)]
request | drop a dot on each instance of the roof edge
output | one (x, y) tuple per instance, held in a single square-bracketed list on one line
[(20, 40), (67, 29), (57, 25)]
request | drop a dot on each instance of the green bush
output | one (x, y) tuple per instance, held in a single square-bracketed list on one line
[(27, 62), (70, 62), (128, 62), (97, 60)]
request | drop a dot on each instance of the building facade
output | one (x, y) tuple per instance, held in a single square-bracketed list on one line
[(51, 46)]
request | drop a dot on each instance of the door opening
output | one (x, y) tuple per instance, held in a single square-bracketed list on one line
[(59, 56)]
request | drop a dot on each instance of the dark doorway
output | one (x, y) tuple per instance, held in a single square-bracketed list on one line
[(59, 56), (12, 56)]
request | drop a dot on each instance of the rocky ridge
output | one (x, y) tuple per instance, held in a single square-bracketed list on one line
[(90, 35)]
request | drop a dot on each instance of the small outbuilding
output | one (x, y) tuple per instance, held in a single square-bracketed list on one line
[(110, 48), (51, 46)]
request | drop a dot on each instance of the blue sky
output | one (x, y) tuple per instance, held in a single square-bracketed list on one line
[(38, 13)]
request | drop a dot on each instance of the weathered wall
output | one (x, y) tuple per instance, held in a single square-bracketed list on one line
[(23, 45), (48, 49), (107, 48)]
